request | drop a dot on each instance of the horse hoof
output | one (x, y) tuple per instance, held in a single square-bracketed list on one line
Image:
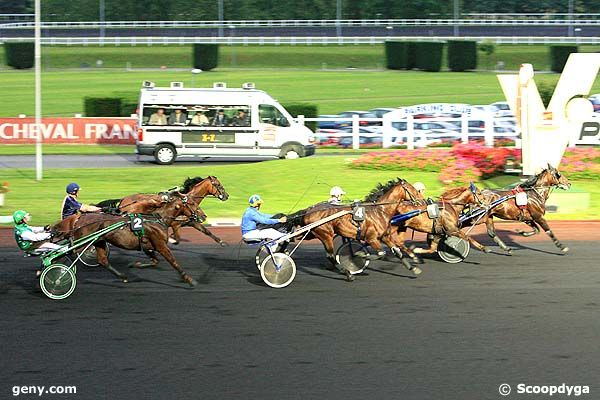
[(417, 271), (349, 277), (124, 280), (565, 249), (509, 251), (190, 281), (407, 264), (222, 243), (487, 250)]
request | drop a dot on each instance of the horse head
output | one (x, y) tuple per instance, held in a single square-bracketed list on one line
[(556, 178), (201, 187), (463, 196)]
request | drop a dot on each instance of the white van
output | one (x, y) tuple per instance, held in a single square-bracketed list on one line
[(219, 122)]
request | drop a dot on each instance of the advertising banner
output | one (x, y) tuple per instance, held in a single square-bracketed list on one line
[(69, 130)]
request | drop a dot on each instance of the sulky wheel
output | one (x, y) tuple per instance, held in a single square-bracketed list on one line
[(89, 257), (352, 256), (58, 281), (453, 249), (261, 254), (278, 270)]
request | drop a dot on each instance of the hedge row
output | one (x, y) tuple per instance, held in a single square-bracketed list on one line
[(19, 55), (427, 56), (206, 56), (124, 106), (559, 55)]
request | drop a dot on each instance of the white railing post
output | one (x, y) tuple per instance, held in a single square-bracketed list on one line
[(355, 132), (301, 119), (489, 130), (387, 132), (410, 132), (464, 128)]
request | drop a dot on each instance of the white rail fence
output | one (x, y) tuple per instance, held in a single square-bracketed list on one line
[(292, 40)]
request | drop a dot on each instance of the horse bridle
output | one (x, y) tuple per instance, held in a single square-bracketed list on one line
[(185, 200), (217, 185)]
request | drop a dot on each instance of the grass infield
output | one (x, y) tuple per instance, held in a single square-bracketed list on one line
[(285, 185)]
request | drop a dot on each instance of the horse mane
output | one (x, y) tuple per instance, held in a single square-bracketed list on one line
[(380, 190), (453, 193), (111, 203), (189, 183), (529, 183)]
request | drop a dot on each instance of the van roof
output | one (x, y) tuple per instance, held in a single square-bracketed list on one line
[(170, 89)]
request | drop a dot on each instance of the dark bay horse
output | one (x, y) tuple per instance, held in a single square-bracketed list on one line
[(154, 240), (445, 224), (380, 205), (196, 189), (537, 188)]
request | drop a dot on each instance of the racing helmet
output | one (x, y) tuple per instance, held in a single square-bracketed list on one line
[(419, 187), (19, 215), (72, 188), (336, 191), (255, 200)]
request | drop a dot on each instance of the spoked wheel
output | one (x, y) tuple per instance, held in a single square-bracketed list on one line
[(90, 258), (338, 241), (352, 256), (261, 254), (453, 249), (278, 270), (58, 281)]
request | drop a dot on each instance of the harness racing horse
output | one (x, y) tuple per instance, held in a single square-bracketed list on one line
[(445, 224), (196, 189), (470, 201), (380, 205), (154, 237), (537, 188)]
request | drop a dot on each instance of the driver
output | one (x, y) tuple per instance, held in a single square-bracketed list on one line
[(336, 194), (30, 238), (72, 206), (252, 216)]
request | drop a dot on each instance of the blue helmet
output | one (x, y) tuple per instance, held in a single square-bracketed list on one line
[(255, 200), (72, 188)]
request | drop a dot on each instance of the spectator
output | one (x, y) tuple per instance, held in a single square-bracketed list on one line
[(220, 119), (177, 117), (199, 119), (158, 118), (241, 119)]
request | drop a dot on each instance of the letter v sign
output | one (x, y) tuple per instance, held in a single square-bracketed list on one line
[(546, 133)]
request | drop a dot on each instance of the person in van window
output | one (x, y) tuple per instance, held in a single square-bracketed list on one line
[(241, 119), (199, 119), (158, 118), (220, 119), (177, 117)]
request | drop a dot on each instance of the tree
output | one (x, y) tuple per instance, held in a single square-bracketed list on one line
[(16, 6)]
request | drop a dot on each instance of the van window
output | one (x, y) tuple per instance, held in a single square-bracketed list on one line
[(271, 115), (196, 115)]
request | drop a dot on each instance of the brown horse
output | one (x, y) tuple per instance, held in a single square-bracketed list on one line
[(445, 224), (196, 189), (154, 239), (537, 188), (380, 205)]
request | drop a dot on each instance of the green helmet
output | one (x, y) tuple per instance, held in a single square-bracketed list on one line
[(19, 215)]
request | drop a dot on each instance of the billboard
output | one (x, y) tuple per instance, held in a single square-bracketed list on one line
[(69, 130)]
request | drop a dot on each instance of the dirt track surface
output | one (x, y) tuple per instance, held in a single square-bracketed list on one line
[(455, 332)]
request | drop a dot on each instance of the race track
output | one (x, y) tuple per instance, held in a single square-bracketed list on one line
[(455, 332)]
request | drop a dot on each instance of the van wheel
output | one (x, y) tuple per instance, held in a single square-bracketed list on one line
[(165, 154), (291, 152)]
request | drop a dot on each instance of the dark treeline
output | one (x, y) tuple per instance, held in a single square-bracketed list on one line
[(124, 10)]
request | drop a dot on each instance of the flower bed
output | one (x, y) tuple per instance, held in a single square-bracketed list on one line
[(581, 163), (460, 165)]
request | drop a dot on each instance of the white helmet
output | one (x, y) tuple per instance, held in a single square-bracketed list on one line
[(419, 186), (336, 191)]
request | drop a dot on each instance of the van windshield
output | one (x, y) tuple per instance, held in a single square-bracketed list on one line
[(196, 115), (271, 115)]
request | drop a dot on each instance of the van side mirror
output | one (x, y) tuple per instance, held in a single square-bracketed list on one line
[(284, 122)]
